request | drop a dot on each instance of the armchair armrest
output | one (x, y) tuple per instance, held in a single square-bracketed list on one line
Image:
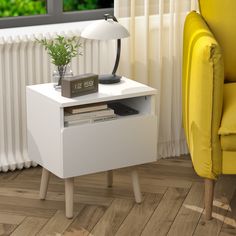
[(202, 94)]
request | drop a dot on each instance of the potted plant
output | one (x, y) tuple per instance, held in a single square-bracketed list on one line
[(61, 51)]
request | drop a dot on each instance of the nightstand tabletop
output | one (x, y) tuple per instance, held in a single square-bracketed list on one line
[(125, 89)]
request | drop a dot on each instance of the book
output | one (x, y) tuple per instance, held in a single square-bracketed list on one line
[(77, 122), (105, 118), (122, 109), (89, 120), (86, 108), (88, 115)]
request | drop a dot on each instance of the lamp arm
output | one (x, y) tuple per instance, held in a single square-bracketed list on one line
[(117, 56), (107, 16)]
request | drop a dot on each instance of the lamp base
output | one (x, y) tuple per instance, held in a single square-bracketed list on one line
[(109, 79)]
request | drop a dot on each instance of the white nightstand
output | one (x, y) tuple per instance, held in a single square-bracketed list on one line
[(88, 148)]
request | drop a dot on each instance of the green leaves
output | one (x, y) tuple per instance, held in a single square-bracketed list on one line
[(22, 7), (61, 49)]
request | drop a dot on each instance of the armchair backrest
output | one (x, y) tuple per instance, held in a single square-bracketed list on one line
[(220, 16)]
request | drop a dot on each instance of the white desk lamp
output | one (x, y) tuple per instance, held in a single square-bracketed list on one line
[(107, 29)]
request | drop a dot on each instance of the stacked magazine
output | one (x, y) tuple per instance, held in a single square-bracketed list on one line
[(89, 113)]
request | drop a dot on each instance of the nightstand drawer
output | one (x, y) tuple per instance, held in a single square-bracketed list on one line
[(90, 148)]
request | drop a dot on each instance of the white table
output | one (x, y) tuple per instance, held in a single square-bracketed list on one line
[(89, 148)]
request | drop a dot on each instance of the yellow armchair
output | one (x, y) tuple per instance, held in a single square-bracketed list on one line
[(209, 91)]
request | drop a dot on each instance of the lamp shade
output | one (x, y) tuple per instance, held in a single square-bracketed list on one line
[(105, 30)]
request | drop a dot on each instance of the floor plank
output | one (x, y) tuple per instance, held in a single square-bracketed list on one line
[(10, 175), (164, 215), (229, 226), (58, 223), (113, 217), (139, 214), (190, 212), (30, 226), (27, 211), (6, 229), (29, 202), (54, 196), (85, 221), (7, 218)]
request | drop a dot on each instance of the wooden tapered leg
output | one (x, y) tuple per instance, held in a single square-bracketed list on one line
[(209, 194), (136, 187), (109, 178), (44, 184), (69, 197)]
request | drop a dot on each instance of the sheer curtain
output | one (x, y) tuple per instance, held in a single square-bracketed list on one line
[(153, 55)]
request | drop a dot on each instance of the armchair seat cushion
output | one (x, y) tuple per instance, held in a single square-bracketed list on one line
[(228, 142), (227, 129)]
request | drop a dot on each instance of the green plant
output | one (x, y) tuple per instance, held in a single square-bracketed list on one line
[(61, 51)]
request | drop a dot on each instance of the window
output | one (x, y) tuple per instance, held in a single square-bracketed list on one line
[(14, 13)]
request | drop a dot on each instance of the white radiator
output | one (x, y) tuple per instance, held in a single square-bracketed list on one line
[(24, 62)]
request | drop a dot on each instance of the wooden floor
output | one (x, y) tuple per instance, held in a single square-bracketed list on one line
[(172, 204)]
